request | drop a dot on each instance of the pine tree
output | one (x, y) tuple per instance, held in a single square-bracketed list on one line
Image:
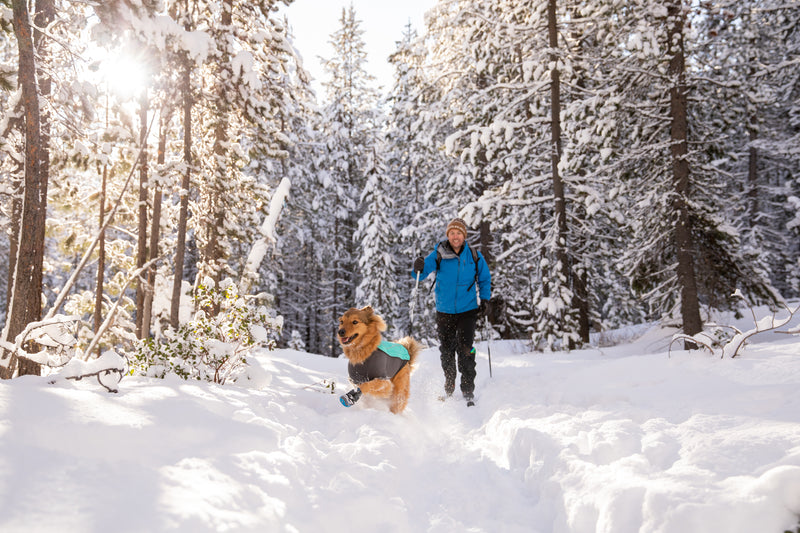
[(682, 251), (376, 237), (505, 117), (348, 125), (292, 274), (26, 265), (412, 161)]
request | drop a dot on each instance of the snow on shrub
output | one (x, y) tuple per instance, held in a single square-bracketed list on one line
[(213, 345)]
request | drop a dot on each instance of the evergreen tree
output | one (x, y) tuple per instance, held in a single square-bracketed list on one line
[(683, 252), (349, 121), (376, 239), (412, 161), (293, 273)]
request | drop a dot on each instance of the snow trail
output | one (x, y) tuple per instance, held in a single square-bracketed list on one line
[(618, 439)]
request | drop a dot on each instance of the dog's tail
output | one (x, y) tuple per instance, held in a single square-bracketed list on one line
[(413, 348)]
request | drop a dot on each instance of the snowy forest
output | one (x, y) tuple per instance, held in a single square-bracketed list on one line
[(169, 176)]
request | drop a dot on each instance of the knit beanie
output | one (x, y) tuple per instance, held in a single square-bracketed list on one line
[(458, 224)]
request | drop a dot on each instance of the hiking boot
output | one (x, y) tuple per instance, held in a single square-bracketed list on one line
[(470, 399)]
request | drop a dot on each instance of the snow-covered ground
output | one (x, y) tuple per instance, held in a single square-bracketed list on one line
[(617, 439)]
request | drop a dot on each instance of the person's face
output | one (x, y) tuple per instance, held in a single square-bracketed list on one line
[(456, 238)]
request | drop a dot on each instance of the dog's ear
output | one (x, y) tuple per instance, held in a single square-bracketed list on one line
[(373, 318)]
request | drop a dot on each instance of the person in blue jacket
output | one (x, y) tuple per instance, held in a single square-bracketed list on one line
[(462, 280)]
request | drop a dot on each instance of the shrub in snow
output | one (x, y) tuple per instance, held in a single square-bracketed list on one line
[(213, 346)]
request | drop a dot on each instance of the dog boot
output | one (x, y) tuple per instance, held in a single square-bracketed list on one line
[(350, 398)]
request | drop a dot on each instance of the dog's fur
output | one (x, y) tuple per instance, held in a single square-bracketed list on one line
[(359, 335)]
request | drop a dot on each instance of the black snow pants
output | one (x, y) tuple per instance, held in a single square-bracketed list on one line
[(456, 335)]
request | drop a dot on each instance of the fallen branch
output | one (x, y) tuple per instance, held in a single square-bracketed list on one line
[(700, 339), (109, 369), (767, 323), (736, 343)]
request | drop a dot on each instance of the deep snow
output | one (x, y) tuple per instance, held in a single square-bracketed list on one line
[(615, 439)]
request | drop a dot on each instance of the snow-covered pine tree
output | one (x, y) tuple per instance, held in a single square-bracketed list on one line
[(349, 122), (296, 266), (235, 117), (682, 253), (503, 106), (377, 242), (412, 158), (784, 142), (740, 54)]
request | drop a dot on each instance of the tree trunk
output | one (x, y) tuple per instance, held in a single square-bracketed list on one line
[(215, 215), (579, 268), (45, 15), (26, 298), (155, 225), (101, 248), (582, 303), (101, 258), (752, 179), (180, 247), (335, 299), (690, 305), (559, 199), (141, 250), (15, 221)]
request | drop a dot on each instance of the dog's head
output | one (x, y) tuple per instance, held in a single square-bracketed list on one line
[(357, 323)]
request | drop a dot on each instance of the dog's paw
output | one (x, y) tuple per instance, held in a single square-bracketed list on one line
[(350, 398)]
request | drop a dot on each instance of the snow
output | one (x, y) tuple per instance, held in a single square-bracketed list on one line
[(622, 438), (260, 247)]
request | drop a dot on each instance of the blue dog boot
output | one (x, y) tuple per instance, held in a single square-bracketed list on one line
[(350, 398)]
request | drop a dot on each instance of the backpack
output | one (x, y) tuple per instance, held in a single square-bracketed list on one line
[(439, 261)]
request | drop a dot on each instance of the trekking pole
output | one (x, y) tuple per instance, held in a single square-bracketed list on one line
[(413, 303), (488, 345)]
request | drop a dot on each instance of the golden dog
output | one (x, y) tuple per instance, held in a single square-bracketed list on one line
[(378, 368)]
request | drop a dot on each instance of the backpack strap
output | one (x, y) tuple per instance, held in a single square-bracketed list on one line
[(439, 262)]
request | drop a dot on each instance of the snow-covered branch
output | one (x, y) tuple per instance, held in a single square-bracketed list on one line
[(733, 346), (259, 249), (109, 369)]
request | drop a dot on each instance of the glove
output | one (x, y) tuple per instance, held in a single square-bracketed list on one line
[(350, 398), (419, 264), (484, 308)]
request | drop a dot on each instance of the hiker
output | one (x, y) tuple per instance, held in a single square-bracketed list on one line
[(462, 275)]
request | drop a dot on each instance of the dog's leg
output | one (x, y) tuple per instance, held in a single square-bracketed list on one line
[(402, 385), (380, 388)]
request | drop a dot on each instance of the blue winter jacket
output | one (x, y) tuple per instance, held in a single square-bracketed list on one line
[(456, 290)]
